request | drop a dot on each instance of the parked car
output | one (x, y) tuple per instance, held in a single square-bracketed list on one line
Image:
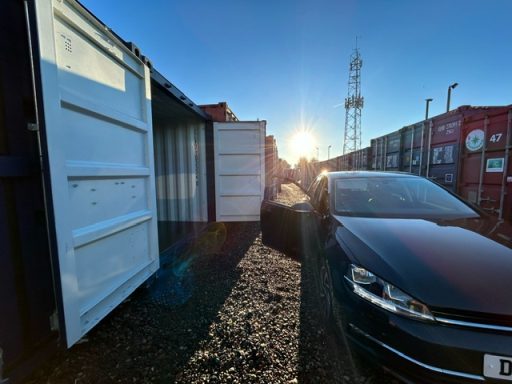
[(413, 276)]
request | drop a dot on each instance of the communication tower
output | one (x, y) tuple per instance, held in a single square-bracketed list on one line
[(353, 105)]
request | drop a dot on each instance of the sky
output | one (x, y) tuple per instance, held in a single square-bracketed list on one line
[(286, 61)]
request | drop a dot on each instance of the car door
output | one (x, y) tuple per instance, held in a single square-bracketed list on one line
[(281, 226), (317, 226), (292, 229)]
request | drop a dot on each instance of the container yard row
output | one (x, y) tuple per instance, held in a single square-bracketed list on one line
[(467, 150)]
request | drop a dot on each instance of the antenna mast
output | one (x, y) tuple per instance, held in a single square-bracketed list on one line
[(353, 104)]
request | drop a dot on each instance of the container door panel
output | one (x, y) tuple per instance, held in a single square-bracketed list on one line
[(443, 165), (484, 161), (98, 135), (239, 170), (490, 198), (471, 160), (497, 132)]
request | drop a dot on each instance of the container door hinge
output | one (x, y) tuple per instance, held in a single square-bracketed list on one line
[(33, 127), (54, 322)]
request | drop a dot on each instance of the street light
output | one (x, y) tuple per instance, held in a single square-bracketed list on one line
[(454, 85), (317, 154), (426, 109), (329, 152)]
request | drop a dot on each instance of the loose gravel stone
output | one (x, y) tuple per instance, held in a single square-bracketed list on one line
[(225, 309)]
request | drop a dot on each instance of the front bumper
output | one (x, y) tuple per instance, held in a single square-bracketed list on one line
[(421, 352)]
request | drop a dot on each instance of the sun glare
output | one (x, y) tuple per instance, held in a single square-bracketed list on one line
[(303, 144)]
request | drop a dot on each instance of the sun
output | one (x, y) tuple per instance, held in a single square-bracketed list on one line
[(302, 144)]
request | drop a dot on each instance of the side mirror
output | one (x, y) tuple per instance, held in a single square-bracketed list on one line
[(302, 206)]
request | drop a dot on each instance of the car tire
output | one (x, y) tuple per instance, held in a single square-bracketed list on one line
[(326, 293)]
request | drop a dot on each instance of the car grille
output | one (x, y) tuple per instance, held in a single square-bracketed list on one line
[(475, 320)]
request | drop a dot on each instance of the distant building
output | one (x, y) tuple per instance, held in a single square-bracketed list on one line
[(219, 111)]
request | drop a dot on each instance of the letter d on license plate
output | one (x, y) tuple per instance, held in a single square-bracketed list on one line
[(498, 367)]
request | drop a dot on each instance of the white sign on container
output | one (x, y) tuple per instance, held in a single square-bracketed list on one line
[(495, 165)]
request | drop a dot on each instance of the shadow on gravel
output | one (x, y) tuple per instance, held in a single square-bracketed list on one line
[(152, 335), (323, 354), (322, 357)]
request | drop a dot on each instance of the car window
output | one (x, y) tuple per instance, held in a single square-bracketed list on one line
[(396, 197), (290, 195), (322, 197), (318, 193), (313, 187)]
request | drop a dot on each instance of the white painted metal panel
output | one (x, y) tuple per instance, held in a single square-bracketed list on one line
[(242, 142), (239, 170), (239, 164), (236, 185), (97, 109)]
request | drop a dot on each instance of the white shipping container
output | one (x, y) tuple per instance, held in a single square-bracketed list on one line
[(239, 169), (98, 133)]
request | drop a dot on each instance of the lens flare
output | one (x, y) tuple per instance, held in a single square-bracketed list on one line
[(302, 144)]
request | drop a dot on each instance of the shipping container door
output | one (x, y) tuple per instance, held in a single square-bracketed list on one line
[(239, 170), (98, 139), (485, 164)]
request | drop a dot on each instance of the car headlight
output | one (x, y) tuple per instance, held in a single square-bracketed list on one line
[(379, 292)]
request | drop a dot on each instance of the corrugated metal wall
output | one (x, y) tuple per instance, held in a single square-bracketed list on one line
[(180, 160)]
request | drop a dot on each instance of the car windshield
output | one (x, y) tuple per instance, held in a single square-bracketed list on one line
[(396, 197)]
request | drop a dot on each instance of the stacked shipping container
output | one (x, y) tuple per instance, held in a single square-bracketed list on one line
[(413, 144), (360, 159), (466, 150), (443, 147), (386, 152)]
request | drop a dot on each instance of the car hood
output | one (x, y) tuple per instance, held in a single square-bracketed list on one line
[(450, 265)]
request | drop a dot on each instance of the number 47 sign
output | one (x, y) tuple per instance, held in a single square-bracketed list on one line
[(496, 137)]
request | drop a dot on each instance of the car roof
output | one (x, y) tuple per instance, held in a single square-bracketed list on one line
[(363, 174)]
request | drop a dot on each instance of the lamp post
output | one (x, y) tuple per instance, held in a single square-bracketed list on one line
[(317, 154), (454, 85), (426, 108), (329, 152)]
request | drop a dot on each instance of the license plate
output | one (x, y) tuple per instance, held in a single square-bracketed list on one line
[(498, 367)]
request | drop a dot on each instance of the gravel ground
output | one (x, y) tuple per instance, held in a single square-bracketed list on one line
[(290, 194), (225, 309)]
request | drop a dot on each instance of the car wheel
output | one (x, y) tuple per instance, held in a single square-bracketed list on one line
[(326, 292)]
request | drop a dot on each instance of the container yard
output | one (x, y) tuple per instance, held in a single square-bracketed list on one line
[(465, 150), (131, 243)]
